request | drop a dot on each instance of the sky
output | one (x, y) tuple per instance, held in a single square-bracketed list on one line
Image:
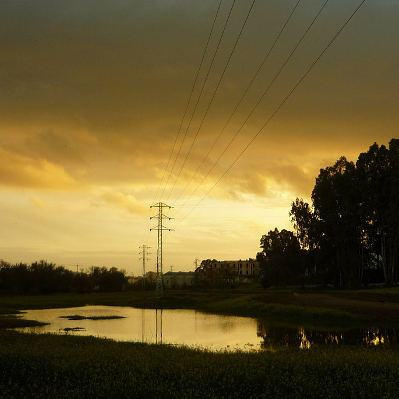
[(110, 107)]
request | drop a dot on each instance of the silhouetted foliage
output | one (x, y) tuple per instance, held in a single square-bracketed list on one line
[(207, 273), (280, 259), (103, 279), (336, 199), (350, 233), (45, 278), (378, 171)]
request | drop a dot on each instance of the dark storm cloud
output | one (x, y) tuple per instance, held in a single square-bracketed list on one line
[(121, 72), (54, 147)]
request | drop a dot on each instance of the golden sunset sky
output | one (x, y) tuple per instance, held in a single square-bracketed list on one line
[(92, 100)]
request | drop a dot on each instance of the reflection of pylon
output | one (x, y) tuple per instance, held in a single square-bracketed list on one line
[(158, 326), (160, 216)]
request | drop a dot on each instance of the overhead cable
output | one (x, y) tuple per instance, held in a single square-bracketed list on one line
[(189, 99), (238, 104), (213, 95), (199, 97), (278, 108), (147, 231)]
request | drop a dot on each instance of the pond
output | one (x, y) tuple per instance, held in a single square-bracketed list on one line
[(196, 329)]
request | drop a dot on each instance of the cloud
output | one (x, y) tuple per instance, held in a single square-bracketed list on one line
[(124, 73), (264, 177), (25, 172), (125, 202), (55, 148), (93, 93), (39, 203)]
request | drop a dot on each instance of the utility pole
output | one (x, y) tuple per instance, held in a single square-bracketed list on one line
[(160, 228), (74, 265), (145, 253)]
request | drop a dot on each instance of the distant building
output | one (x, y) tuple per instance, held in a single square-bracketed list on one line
[(178, 279), (228, 270)]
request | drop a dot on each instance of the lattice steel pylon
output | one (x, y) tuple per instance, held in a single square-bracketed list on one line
[(144, 258), (160, 228)]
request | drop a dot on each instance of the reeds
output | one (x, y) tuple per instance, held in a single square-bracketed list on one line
[(43, 366)]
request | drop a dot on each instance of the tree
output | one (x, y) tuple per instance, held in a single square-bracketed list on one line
[(307, 232), (302, 219), (378, 172), (393, 225), (352, 226), (336, 199), (280, 258), (214, 271), (103, 279)]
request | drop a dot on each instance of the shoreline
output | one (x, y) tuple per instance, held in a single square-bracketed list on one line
[(306, 307)]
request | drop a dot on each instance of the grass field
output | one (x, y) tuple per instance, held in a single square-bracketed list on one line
[(50, 366)]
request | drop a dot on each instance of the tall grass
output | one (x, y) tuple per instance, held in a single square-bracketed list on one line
[(50, 366), (44, 366)]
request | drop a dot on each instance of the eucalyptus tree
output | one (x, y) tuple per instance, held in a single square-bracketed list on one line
[(336, 199), (280, 258), (354, 218), (378, 174), (307, 230)]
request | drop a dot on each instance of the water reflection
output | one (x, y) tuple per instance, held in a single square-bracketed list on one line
[(173, 327), (274, 337), (158, 326), (193, 328)]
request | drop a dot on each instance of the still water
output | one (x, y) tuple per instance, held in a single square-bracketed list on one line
[(197, 329), (176, 327)]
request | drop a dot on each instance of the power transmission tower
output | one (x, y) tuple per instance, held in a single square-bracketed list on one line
[(160, 228), (145, 253)]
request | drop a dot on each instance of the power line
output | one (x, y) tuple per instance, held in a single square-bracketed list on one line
[(147, 231), (240, 101), (227, 217), (199, 97), (280, 106), (213, 95), (264, 93), (189, 99)]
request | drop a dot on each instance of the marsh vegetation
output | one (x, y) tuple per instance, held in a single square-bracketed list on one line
[(40, 366), (71, 366)]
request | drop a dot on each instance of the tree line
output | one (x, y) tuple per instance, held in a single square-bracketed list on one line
[(44, 278), (348, 236)]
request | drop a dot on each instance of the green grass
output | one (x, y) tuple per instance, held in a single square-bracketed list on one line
[(253, 303), (7, 311), (9, 318), (68, 300), (384, 294), (251, 300), (44, 366), (15, 322)]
